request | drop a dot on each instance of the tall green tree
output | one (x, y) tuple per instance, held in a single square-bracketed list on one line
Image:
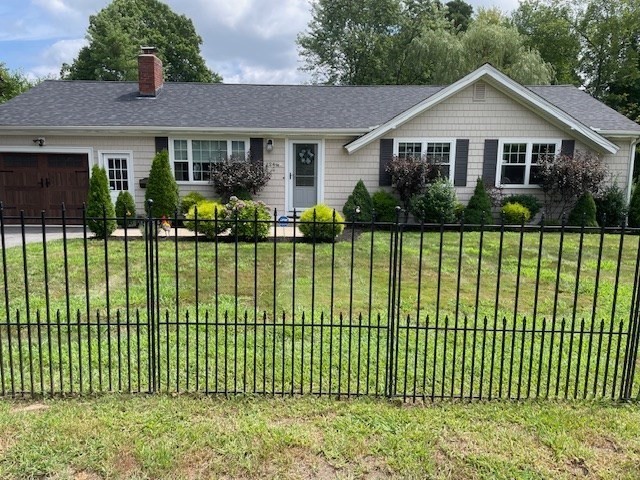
[(460, 13), (116, 33), (12, 83)]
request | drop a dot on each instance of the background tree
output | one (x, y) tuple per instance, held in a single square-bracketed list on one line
[(12, 83), (116, 33), (460, 13)]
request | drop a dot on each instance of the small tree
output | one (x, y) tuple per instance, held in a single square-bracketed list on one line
[(239, 178), (99, 204), (359, 198), (478, 209), (409, 177), (125, 208), (584, 211), (162, 187), (565, 178)]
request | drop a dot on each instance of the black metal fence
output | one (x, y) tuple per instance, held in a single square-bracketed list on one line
[(417, 311)]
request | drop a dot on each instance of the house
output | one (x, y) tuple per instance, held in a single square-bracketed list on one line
[(318, 140)]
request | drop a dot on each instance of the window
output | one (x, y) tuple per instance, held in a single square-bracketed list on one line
[(439, 153), (519, 161), (117, 168), (192, 159)]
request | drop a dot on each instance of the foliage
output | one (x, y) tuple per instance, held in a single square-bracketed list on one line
[(359, 198), (99, 204), (116, 33), (529, 201), (458, 211), (478, 210), (515, 213), (125, 206), (611, 206), (437, 204), (239, 178), (564, 178), (327, 226), (189, 200), (12, 84), (459, 13), (633, 216), (584, 212), (162, 187), (384, 206), (211, 218), (248, 220), (409, 177)]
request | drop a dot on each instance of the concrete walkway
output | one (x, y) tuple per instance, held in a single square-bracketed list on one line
[(280, 232)]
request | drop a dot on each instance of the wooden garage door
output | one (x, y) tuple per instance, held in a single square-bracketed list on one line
[(33, 182)]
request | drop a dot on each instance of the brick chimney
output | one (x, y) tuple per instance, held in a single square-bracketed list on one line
[(150, 79)]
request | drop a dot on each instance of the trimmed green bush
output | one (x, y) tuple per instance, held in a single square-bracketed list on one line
[(529, 201), (324, 229), (634, 207), (359, 198), (515, 213), (99, 204), (206, 218), (125, 205), (611, 207), (189, 200), (478, 209), (458, 210), (384, 206), (246, 211), (162, 187), (437, 204), (584, 211)]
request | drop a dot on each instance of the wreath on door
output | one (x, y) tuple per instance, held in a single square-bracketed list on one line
[(306, 156)]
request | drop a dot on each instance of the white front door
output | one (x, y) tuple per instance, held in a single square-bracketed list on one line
[(304, 174), (119, 172)]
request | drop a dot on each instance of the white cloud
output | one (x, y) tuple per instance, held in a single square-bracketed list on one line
[(57, 7), (259, 74), (63, 51)]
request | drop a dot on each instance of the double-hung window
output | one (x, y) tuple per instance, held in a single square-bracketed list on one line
[(438, 152), (519, 160), (192, 159)]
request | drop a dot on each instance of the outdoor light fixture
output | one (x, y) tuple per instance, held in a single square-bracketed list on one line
[(40, 141), (269, 145)]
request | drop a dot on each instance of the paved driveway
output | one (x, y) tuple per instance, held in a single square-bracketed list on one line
[(33, 234)]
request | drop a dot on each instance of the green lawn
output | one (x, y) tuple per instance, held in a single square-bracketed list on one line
[(195, 437)]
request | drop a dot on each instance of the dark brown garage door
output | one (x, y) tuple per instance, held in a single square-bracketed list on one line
[(44, 181)]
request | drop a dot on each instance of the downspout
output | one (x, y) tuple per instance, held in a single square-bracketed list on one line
[(632, 157)]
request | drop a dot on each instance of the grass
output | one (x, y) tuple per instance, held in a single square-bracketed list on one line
[(194, 437)]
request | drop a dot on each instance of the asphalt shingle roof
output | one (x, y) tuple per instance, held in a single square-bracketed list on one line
[(191, 105)]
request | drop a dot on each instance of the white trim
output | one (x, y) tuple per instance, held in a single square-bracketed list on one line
[(424, 141), (527, 164), (130, 172), (288, 171), (499, 80), (53, 149), (189, 160)]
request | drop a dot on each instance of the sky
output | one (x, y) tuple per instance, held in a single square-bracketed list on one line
[(246, 41)]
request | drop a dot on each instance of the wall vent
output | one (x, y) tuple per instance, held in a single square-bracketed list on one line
[(479, 92)]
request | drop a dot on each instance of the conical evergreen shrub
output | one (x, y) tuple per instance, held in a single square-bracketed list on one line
[(478, 209), (162, 187), (359, 198), (584, 211), (99, 204), (125, 207), (634, 207)]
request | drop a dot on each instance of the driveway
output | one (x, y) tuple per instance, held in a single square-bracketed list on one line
[(33, 234)]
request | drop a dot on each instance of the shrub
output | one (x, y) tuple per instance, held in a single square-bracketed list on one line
[(515, 213), (438, 204), (634, 207), (584, 211), (324, 229), (529, 201), (384, 206), (189, 200), (458, 211), (125, 206), (239, 178), (478, 209), (99, 204), (246, 212), (611, 207), (359, 198), (409, 177), (207, 213), (162, 187)]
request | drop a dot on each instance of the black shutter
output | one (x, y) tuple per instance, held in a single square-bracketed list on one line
[(162, 143), (567, 148), (490, 162), (256, 150), (386, 155), (462, 158)]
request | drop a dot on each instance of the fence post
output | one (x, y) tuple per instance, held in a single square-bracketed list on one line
[(149, 234), (633, 334), (392, 321)]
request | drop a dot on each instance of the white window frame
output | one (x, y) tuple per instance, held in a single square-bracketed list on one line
[(189, 160), (527, 169), (426, 140), (104, 155)]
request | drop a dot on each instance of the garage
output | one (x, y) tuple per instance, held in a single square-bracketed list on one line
[(34, 181)]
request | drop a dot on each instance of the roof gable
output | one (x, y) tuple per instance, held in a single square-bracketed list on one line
[(503, 83)]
